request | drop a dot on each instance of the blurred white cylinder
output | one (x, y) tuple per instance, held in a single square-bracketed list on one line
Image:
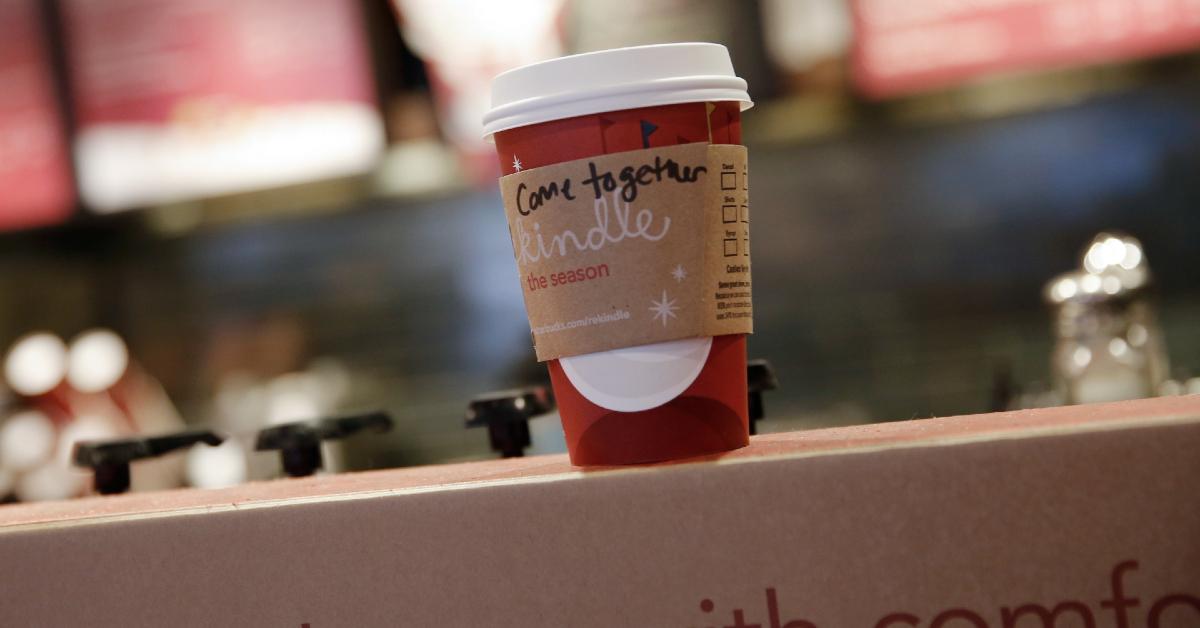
[(216, 467), (26, 441), (96, 360), (36, 363), (51, 481)]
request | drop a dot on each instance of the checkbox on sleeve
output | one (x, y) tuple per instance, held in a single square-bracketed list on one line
[(729, 213), (728, 180), (744, 213), (731, 247)]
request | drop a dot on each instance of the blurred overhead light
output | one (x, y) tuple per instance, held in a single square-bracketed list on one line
[(465, 43)]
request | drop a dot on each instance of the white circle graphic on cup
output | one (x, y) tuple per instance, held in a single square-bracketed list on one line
[(638, 378)]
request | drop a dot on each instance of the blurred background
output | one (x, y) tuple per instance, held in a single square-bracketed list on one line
[(239, 213)]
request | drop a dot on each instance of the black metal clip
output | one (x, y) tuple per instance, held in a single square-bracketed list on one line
[(299, 444), (506, 415), (760, 377), (109, 459)]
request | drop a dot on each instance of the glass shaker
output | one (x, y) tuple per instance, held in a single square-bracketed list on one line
[(1108, 345)]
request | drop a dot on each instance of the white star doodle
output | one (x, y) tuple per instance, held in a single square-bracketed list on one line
[(664, 309), (516, 163), (679, 273)]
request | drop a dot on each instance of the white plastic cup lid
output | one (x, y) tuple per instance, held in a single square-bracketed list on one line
[(638, 378), (612, 80)]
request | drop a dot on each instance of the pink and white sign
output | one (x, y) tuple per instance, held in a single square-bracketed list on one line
[(191, 98), (922, 44), (35, 174)]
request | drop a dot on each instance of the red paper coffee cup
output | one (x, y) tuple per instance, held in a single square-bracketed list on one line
[(651, 402)]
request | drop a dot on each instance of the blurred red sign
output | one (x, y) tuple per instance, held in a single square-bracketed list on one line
[(190, 98), (35, 176), (911, 45), (142, 60)]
